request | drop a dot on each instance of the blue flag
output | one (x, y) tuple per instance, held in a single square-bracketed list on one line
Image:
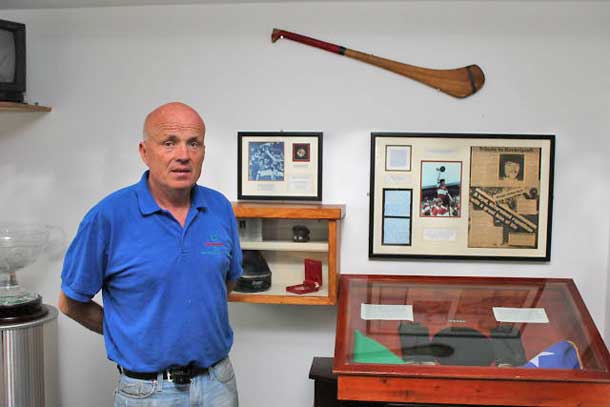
[(562, 355)]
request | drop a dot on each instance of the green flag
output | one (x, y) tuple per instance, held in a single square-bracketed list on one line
[(367, 350)]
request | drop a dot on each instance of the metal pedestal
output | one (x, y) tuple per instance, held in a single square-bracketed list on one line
[(27, 353)]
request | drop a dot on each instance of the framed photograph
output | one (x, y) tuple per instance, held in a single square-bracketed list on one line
[(398, 158), (441, 185), (396, 217), (301, 152), (279, 166), (463, 196)]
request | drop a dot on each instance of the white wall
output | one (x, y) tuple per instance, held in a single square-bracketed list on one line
[(103, 69)]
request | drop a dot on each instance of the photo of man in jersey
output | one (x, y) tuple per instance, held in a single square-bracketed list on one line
[(441, 187), (266, 161)]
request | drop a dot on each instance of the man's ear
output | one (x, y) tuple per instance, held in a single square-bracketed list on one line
[(142, 150)]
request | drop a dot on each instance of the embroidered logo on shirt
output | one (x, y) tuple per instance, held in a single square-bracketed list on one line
[(213, 245)]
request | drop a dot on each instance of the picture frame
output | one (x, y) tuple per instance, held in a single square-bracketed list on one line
[(279, 166), (301, 152), (398, 158), (461, 196)]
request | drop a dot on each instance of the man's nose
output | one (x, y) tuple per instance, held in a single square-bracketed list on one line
[(182, 152)]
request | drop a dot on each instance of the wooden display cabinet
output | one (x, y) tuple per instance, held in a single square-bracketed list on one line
[(478, 341), (268, 228)]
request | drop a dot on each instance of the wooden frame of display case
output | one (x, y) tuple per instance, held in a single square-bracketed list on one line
[(477, 385), (327, 250)]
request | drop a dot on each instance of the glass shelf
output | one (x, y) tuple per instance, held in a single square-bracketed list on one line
[(281, 245)]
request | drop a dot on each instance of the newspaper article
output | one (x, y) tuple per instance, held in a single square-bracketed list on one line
[(504, 197)]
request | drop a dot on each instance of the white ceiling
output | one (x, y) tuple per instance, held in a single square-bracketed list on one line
[(41, 4)]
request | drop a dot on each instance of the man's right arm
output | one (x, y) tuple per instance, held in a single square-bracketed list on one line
[(89, 314)]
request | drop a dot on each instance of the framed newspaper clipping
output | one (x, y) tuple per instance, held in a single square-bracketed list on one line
[(279, 166), (461, 196)]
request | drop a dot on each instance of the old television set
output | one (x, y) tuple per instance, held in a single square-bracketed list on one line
[(12, 61)]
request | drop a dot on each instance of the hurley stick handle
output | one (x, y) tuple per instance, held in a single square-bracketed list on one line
[(459, 82)]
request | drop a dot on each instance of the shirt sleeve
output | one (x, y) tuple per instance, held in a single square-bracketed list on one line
[(85, 261), (235, 268)]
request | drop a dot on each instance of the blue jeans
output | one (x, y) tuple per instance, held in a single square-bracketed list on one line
[(217, 388)]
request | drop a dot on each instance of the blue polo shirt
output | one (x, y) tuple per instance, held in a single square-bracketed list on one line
[(163, 285)]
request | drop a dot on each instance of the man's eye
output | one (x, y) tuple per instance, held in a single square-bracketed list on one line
[(195, 144), (168, 143)]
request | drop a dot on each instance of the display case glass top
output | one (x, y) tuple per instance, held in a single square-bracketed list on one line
[(488, 331)]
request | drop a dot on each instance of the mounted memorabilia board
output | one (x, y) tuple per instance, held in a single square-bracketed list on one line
[(461, 196), (279, 166)]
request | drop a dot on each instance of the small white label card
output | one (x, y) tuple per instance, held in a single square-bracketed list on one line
[(399, 179), (442, 151), (440, 234), (260, 187), (300, 165), (528, 315), (386, 312), (300, 183)]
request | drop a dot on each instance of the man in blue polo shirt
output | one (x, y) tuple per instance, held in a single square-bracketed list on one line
[(165, 253)]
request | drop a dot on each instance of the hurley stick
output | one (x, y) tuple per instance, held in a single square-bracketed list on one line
[(459, 82)]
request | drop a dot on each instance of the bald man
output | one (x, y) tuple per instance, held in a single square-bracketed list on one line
[(165, 253)]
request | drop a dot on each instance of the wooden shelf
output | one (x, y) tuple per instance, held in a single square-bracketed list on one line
[(288, 211), (22, 107), (278, 295), (279, 245), (286, 257)]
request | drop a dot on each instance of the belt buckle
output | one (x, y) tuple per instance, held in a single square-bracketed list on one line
[(179, 376)]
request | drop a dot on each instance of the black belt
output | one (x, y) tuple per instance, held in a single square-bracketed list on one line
[(179, 375)]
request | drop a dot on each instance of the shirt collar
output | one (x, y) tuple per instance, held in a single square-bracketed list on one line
[(197, 199), (148, 205)]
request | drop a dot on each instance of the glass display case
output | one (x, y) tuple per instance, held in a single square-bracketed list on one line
[(468, 341)]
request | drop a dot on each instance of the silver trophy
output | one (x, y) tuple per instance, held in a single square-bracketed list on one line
[(20, 246)]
